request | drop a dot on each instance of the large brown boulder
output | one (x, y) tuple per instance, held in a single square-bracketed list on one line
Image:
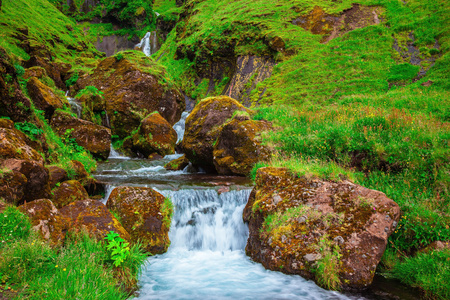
[(58, 72), (93, 217), (133, 87), (68, 192), (155, 135), (332, 232), (12, 186), (203, 128), (43, 97), (37, 185), (177, 164), (145, 214), (238, 146), (47, 220), (94, 138), (13, 144), (57, 175)]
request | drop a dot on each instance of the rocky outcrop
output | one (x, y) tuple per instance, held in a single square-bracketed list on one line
[(47, 220), (203, 128), (133, 87), (58, 72), (43, 97), (94, 138), (13, 144), (155, 135), (111, 44), (301, 226), (238, 146), (37, 178), (68, 192), (145, 214), (177, 164), (92, 216)]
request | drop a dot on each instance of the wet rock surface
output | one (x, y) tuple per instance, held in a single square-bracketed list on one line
[(144, 214), (297, 224), (177, 164)]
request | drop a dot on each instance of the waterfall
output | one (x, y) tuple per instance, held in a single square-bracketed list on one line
[(180, 125), (115, 154), (206, 259), (75, 106), (149, 44)]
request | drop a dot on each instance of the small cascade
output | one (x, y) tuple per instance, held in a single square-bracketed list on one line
[(115, 154), (107, 123), (149, 44), (75, 106), (180, 125), (108, 189)]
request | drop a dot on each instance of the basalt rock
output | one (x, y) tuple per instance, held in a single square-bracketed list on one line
[(37, 184), (177, 164), (94, 138), (133, 87), (144, 214), (43, 97), (47, 220), (238, 146), (57, 175), (68, 192), (13, 144), (203, 128), (155, 135), (296, 223), (92, 216)]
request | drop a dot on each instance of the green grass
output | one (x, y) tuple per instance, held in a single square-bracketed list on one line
[(81, 269)]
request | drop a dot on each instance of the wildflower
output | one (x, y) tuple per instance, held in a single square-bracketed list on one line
[(56, 266), (64, 269)]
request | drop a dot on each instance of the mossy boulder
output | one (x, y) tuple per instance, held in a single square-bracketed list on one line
[(203, 127), (177, 164), (155, 135), (238, 146), (332, 232), (134, 86), (78, 171), (13, 144), (145, 214), (37, 72), (37, 184), (44, 97), (12, 185), (94, 138), (47, 220), (57, 175), (92, 216), (57, 71), (68, 192)]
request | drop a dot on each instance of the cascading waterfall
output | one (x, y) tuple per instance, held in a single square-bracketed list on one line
[(206, 259), (149, 44), (75, 106), (180, 125)]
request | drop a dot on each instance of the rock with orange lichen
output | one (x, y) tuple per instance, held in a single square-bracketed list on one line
[(238, 146), (203, 127), (46, 219), (94, 138), (68, 192), (93, 217), (145, 214), (155, 135), (177, 164), (133, 87), (297, 224), (44, 97), (14, 144), (37, 176), (57, 175)]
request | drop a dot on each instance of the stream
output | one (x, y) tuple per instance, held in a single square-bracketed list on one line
[(206, 258)]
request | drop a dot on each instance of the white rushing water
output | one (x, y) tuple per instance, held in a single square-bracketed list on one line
[(115, 154), (206, 259), (75, 106), (149, 43), (180, 125)]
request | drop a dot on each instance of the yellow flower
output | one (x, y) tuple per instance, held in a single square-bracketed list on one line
[(56, 266), (64, 269)]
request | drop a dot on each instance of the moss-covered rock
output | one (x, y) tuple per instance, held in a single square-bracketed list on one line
[(93, 217), (68, 192), (238, 148), (332, 232), (47, 220), (37, 184), (78, 171), (145, 214), (94, 138), (155, 135), (14, 145), (177, 164), (203, 128), (43, 97), (57, 71), (57, 175), (134, 86), (12, 185), (37, 72)]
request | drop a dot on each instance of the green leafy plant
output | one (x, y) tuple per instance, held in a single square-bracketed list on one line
[(90, 91), (29, 129), (118, 249), (72, 80)]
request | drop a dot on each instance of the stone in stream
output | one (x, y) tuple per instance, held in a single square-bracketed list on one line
[(155, 135), (177, 164), (297, 224), (203, 128), (145, 214), (68, 192)]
